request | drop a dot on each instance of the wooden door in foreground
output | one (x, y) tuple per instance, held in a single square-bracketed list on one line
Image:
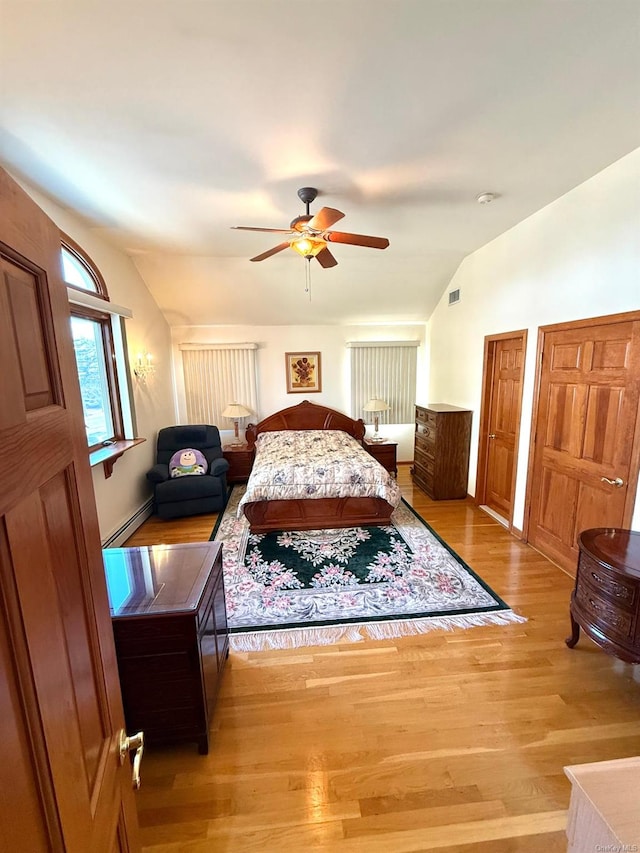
[(586, 448), (500, 421), (63, 785)]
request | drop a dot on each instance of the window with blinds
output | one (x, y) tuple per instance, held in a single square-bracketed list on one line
[(385, 370), (216, 375)]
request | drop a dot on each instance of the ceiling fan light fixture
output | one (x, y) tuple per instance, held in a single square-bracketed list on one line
[(308, 247)]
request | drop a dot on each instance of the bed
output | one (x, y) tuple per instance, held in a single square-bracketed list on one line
[(314, 509)]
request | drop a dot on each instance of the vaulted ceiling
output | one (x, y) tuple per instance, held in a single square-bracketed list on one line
[(165, 122)]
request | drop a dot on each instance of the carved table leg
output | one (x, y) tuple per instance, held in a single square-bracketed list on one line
[(575, 632)]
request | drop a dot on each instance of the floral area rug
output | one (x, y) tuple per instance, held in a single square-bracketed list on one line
[(314, 587)]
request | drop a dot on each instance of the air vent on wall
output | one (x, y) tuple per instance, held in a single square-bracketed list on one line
[(454, 296)]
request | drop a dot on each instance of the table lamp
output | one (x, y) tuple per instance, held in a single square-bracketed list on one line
[(376, 406), (234, 412)]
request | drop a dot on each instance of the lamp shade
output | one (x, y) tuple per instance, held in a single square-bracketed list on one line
[(235, 410), (376, 405)]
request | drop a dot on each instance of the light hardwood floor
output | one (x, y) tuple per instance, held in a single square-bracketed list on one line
[(449, 741)]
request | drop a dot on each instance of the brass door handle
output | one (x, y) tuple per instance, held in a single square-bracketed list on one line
[(492, 435), (127, 744), (617, 482)]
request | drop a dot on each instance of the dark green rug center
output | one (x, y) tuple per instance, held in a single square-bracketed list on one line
[(328, 558)]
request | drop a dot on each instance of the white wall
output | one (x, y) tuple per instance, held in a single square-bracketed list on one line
[(120, 496), (330, 341), (578, 257)]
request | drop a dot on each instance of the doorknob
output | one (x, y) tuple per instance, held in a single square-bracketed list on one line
[(617, 482), (127, 744), (492, 435)]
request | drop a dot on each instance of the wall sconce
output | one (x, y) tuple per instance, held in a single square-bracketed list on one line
[(376, 405), (235, 411), (144, 366)]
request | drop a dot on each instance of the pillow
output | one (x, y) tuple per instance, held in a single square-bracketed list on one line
[(187, 462)]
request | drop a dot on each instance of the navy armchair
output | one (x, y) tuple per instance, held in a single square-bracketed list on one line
[(191, 495)]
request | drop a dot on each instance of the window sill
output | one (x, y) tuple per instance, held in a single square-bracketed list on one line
[(109, 455)]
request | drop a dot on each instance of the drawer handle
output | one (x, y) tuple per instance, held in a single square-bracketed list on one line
[(618, 482), (617, 589)]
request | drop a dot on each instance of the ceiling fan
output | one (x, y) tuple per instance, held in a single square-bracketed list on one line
[(309, 235)]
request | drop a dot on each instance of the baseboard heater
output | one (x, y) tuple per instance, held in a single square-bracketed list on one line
[(130, 526)]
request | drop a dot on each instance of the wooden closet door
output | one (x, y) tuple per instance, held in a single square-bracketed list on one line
[(585, 455), (504, 421), (63, 786)]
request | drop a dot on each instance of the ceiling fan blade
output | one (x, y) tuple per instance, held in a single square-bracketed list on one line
[(324, 218), (273, 251), (356, 239), (269, 230), (326, 259)]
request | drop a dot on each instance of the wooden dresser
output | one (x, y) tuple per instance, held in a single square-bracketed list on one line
[(170, 628), (606, 598), (441, 450)]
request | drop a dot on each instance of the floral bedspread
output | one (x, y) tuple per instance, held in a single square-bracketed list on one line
[(293, 464)]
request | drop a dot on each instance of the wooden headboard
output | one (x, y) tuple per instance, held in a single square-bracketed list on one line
[(306, 415)]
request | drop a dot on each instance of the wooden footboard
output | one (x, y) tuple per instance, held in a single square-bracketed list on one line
[(318, 514)]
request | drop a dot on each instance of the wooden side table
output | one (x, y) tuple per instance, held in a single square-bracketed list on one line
[(240, 459), (606, 598), (170, 629), (384, 452)]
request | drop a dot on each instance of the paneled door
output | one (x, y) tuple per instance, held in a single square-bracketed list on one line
[(64, 786), (586, 448), (500, 421)]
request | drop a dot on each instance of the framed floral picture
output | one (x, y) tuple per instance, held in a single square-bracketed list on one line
[(303, 372)]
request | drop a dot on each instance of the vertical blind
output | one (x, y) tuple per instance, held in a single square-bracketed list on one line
[(216, 375), (386, 370)]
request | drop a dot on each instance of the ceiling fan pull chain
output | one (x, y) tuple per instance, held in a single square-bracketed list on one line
[(307, 278)]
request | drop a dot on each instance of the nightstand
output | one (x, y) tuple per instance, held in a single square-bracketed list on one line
[(384, 452), (240, 460)]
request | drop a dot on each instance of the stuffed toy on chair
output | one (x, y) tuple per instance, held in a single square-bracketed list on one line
[(187, 462)]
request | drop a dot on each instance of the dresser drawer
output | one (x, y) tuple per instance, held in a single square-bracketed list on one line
[(426, 432), (423, 458), (604, 613), (182, 723), (423, 477), (607, 583), (425, 470), (425, 416), (153, 636)]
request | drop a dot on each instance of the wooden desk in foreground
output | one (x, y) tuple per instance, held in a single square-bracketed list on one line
[(170, 629), (604, 812)]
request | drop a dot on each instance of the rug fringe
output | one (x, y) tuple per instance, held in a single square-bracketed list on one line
[(294, 638)]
